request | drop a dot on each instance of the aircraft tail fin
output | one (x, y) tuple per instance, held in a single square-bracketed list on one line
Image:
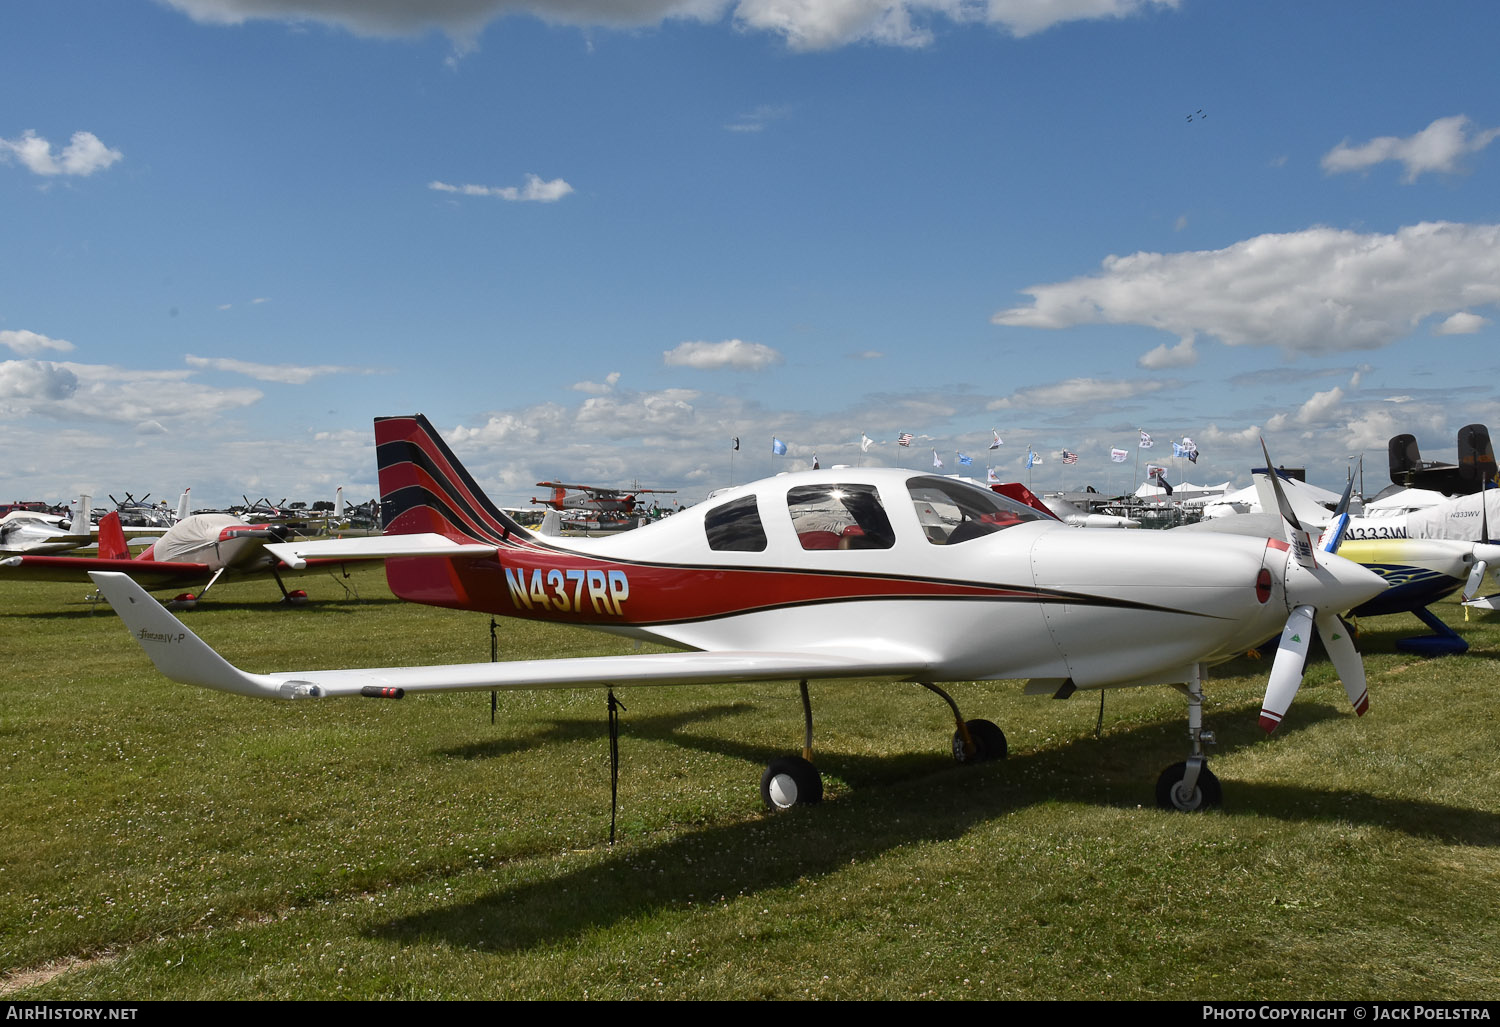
[(424, 488), (112, 538), (182, 504), (80, 525)]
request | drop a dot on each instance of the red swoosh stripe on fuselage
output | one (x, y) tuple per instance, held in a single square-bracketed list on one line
[(571, 588)]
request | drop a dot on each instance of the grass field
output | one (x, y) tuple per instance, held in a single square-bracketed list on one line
[(164, 842)]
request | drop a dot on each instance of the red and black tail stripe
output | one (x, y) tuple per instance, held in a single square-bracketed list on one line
[(424, 487)]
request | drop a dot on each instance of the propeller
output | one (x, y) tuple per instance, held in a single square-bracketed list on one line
[(1333, 534), (1316, 594), (1485, 553)]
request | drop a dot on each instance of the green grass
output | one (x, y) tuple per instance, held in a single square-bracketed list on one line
[(162, 841)]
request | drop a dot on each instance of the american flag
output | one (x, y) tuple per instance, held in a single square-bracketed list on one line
[(1069, 457), (904, 439)]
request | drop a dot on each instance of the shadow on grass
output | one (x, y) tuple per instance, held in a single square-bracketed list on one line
[(933, 803), (82, 609), (576, 729)]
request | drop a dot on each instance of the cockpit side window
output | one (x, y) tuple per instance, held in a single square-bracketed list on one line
[(839, 517), (735, 527), (952, 512)]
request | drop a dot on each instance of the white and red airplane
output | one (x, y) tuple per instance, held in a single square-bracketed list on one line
[(825, 574), (594, 498), (198, 550)]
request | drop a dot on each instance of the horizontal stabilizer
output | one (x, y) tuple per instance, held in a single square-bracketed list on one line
[(374, 547)]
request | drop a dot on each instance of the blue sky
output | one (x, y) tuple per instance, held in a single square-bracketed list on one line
[(596, 239)]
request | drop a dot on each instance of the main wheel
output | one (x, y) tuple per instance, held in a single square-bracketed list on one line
[(790, 781), (1170, 795), (989, 742)]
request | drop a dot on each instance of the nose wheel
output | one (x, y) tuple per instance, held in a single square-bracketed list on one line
[(1174, 792), (1190, 785)]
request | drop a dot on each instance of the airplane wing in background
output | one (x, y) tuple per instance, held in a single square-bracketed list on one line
[(150, 573)]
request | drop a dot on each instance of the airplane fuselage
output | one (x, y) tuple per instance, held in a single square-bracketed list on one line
[(1036, 599)]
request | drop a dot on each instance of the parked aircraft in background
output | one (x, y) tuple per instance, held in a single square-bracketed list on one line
[(1424, 555), (825, 574), (594, 499), (25, 531), (197, 550)]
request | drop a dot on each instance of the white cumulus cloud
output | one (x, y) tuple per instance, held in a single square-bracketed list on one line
[(1438, 147), (36, 381), (29, 344), (1462, 323), (1321, 290), (287, 374), (804, 24), (732, 353), (83, 155), (1184, 354), (1080, 390), (598, 388), (534, 191)]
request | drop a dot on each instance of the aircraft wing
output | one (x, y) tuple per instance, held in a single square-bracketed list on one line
[(183, 656), (297, 555), (152, 573)]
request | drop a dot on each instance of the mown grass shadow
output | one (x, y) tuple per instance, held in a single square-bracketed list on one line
[(936, 803)]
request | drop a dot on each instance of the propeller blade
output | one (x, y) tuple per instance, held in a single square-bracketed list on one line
[(1333, 535), (1286, 672), (1476, 578), (1346, 661), (1298, 537)]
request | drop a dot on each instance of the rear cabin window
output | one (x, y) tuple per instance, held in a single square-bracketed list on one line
[(735, 527), (839, 517), (952, 512)]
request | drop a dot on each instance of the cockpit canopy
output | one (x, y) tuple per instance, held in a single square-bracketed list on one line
[(848, 515)]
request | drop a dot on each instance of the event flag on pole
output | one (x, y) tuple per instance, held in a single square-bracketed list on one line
[(778, 448), (1119, 456)]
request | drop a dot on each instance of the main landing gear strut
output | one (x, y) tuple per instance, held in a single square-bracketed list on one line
[(1190, 785), (794, 781)]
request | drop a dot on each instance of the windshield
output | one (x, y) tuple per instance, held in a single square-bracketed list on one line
[(952, 512)]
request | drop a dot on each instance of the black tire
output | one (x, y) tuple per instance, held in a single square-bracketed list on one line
[(989, 742), (1208, 794), (790, 781)]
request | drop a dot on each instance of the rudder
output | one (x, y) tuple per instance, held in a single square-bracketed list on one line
[(424, 487)]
